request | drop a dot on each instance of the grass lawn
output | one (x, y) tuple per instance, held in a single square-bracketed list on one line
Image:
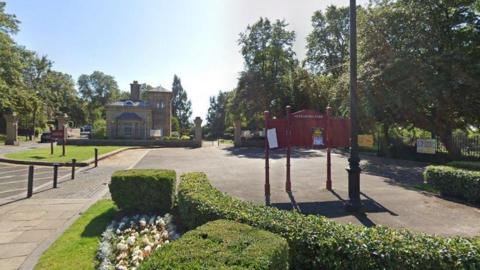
[(81, 153), (3, 137), (77, 246)]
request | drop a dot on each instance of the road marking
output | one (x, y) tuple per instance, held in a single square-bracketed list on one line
[(15, 170), (12, 190), (5, 177)]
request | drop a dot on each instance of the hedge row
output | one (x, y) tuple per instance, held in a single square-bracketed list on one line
[(222, 244), (318, 243), (469, 165), (459, 183), (144, 190)]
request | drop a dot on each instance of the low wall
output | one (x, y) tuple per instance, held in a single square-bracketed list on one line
[(146, 143)]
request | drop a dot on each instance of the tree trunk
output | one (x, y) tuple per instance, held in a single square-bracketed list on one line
[(447, 139)]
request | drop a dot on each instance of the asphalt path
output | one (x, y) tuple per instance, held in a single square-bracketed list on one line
[(13, 178)]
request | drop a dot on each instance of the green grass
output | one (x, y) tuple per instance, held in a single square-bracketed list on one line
[(77, 246), (3, 137), (428, 188), (81, 153), (224, 141)]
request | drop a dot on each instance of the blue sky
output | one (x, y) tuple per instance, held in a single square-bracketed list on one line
[(151, 40)]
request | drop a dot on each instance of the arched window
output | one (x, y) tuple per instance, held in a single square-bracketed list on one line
[(128, 103)]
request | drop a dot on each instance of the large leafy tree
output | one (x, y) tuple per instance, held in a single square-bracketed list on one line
[(420, 64), (328, 43), (267, 50), (97, 90), (181, 105), (217, 114)]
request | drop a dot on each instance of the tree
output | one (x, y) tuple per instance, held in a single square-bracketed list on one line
[(328, 43), (267, 50), (217, 112), (420, 64), (97, 90), (181, 105)]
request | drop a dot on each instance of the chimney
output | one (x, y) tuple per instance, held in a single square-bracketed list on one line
[(135, 91)]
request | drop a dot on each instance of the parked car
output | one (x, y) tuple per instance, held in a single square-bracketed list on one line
[(46, 137)]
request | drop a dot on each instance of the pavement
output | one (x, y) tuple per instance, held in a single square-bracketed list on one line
[(13, 179), (387, 186), (5, 149), (29, 226)]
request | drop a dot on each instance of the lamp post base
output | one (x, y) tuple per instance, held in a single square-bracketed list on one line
[(354, 203)]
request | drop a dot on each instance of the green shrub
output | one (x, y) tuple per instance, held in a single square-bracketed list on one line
[(469, 165), (318, 243), (143, 190), (454, 182), (222, 244), (99, 129)]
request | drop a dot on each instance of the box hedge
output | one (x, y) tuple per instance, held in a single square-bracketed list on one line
[(143, 190), (455, 182), (222, 244), (468, 165), (318, 243)]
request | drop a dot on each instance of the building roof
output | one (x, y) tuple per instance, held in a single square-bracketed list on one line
[(130, 103), (159, 89), (129, 116)]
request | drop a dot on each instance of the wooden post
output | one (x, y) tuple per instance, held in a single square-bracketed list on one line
[(63, 143), (55, 175), (267, 157), (288, 184), (30, 181), (51, 141), (96, 157), (74, 162), (327, 142)]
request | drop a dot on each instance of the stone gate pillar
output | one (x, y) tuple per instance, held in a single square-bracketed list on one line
[(198, 130), (237, 133), (12, 128), (62, 119)]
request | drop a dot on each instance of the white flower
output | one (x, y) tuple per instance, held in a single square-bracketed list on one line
[(121, 246), (148, 249), (166, 241), (131, 240), (143, 222)]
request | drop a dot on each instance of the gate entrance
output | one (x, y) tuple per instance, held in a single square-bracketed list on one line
[(305, 129)]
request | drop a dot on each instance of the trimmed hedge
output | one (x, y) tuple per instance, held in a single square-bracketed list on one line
[(454, 182), (318, 243), (144, 190), (222, 244), (468, 165)]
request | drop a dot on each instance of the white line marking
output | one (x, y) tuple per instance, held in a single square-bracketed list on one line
[(12, 190), (5, 177)]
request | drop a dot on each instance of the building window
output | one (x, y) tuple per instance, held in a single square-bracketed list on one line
[(160, 105), (161, 132), (128, 129)]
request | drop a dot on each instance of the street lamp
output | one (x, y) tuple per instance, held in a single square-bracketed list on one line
[(354, 203)]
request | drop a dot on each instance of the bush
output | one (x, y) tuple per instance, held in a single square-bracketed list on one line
[(318, 243), (222, 244), (454, 182), (469, 165), (99, 129), (143, 190)]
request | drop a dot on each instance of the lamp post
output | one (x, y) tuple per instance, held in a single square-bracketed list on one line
[(354, 203)]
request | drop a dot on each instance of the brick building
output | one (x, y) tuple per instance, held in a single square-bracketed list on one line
[(135, 118)]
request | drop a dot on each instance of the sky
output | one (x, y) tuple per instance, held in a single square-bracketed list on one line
[(151, 40)]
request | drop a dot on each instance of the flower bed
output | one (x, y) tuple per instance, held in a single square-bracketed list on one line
[(127, 243), (318, 243)]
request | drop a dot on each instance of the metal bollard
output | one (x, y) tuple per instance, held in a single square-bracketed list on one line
[(30, 181), (96, 157), (55, 175), (74, 163)]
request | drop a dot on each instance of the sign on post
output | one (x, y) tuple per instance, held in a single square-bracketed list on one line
[(426, 146), (317, 137), (272, 138), (365, 141)]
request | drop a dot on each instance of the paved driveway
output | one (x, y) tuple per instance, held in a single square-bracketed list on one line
[(386, 185)]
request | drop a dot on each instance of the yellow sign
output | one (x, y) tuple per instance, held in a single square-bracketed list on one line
[(317, 137), (365, 141)]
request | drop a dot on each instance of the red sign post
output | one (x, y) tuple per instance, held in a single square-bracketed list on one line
[(58, 134), (305, 129)]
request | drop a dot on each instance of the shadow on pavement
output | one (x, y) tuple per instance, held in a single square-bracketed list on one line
[(334, 209), (252, 152)]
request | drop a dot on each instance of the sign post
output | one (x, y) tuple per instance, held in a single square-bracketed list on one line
[(58, 134), (329, 159), (288, 183), (267, 157)]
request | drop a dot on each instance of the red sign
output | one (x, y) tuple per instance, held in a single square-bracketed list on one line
[(307, 126), (57, 134)]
